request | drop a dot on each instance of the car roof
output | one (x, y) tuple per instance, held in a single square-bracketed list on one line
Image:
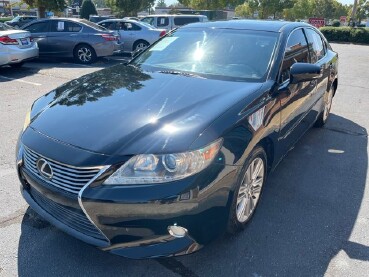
[(257, 25), (119, 20), (175, 15)]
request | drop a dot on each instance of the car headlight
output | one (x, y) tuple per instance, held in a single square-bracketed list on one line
[(150, 169), (27, 120)]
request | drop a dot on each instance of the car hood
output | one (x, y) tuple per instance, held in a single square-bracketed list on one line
[(122, 110)]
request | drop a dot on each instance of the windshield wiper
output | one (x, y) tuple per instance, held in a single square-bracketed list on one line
[(174, 72)]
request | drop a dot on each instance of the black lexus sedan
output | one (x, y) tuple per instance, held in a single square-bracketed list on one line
[(160, 156)]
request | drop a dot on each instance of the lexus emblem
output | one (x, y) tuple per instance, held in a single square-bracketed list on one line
[(44, 168)]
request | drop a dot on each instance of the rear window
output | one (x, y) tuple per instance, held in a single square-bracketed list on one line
[(4, 27), (92, 25), (179, 21)]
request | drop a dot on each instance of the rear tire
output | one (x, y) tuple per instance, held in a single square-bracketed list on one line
[(84, 54), (324, 114), (141, 44), (248, 191), (16, 65)]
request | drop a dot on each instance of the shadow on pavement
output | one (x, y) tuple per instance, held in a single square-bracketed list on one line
[(308, 211), (8, 73)]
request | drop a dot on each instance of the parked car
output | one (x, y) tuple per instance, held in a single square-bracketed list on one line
[(98, 18), (21, 20), (134, 34), (172, 21), (16, 46), (78, 38), (161, 156)]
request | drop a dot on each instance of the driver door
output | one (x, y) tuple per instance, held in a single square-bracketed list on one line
[(295, 99)]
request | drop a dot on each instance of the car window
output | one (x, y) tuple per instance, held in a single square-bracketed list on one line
[(148, 20), (296, 51), (222, 54), (179, 21), (39, 27), (162, 21), (109, 25), (316, 46), (65, 26), (128, 26)]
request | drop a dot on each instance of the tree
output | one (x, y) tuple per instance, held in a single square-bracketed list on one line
[(362, 10), (210, 4), (100, 3), (270, 7), (244, 10), (88, 8), (302, 9), (43, 5), (161, 4), (129, 7)]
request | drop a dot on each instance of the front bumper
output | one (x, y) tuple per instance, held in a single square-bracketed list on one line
[(132, 221)]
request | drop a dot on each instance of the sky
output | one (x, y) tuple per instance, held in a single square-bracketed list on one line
[(169, 2)]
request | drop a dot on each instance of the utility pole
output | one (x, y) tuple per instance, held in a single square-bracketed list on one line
[(354, 10)]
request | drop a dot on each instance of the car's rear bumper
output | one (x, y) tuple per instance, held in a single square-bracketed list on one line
[(107, 48), (11, 54)]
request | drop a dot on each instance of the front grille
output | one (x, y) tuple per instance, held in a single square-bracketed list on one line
[(65, 177), (73, 218)]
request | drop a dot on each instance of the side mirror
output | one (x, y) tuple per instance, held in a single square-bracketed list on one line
[(302, 72)]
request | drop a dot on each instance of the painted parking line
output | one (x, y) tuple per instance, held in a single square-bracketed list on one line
[(20, 81)]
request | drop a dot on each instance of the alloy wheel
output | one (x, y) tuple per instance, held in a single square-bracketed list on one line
[(84, 54), (140, 46), (250, 190)]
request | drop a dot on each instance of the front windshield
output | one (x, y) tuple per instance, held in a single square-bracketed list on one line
[(4, 27), (15, 19), (226, 54)]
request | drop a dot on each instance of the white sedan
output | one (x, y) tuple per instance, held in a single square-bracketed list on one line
[(16, 46)]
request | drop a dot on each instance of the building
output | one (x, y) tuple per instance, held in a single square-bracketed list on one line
[(19, 8), (5, 7)]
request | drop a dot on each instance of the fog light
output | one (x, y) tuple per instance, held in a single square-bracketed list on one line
[(177, 231)]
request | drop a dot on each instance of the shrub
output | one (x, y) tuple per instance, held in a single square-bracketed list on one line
[(346, 34), (88, 8), (3, 19)]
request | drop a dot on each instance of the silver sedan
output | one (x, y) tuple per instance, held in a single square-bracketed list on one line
[(16, 46), (135, 35)]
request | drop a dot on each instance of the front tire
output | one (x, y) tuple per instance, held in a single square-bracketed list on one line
[(84, 54), (323, 116), (248, 191)]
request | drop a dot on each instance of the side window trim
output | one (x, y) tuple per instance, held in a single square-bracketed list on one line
[(323, 43), (281, 84)]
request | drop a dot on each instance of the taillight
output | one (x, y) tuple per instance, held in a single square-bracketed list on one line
[(162, 33), (8, 41), (109, 37)]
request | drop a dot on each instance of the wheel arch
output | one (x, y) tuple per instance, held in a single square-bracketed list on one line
[(138, 41), (268, 146)]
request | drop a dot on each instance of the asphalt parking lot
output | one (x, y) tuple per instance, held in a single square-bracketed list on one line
[(313, 219)]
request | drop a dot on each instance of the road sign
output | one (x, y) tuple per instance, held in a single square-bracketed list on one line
[(317, 22)]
